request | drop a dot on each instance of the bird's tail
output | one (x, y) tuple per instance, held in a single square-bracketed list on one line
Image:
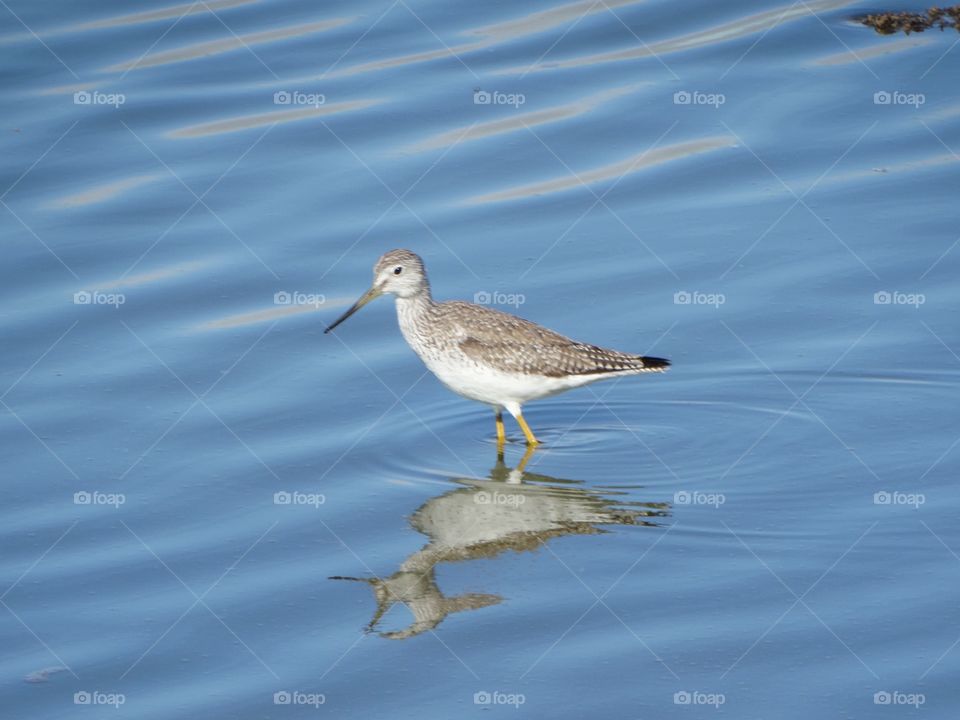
[(653, 364)]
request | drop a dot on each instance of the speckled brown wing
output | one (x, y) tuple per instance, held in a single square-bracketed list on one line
[(512, 344)]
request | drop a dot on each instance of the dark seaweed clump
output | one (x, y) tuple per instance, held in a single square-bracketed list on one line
[(888, 23)]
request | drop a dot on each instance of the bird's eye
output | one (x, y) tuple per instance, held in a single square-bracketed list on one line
[(397, 270)]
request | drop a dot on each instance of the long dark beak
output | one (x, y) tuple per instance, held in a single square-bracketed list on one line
[(371, 294)]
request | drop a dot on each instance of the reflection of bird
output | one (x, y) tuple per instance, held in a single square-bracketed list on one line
[(510, 510), (487, 355)]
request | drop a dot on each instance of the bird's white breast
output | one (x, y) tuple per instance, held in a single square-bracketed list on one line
[(469, 378)]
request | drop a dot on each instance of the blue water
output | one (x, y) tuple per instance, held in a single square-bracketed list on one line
[(764, 193)]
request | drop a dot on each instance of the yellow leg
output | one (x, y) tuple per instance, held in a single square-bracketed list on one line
[(531, 438), (522, 467), (501, 434)]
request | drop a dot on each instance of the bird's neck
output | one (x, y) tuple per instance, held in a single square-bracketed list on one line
[(414, 309)]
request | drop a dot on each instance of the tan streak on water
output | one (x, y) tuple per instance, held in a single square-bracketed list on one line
[(887, 48), (261, 316), (494, 34), (946, 113), (629, 166), (228, 44), (521, 121), (102, 193), (174, 11), (246, 122), (152, 276), (719, 33), (408, 59), (540, 21)]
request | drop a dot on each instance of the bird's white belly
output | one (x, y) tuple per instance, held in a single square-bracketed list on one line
[(487, 385), (478, 381)]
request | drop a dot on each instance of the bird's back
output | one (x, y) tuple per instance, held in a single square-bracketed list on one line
[(511, 344)]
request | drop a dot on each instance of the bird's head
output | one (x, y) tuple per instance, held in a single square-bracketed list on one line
[(399, 273)]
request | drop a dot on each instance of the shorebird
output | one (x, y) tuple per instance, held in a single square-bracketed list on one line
[(482, 518), (486, 355)]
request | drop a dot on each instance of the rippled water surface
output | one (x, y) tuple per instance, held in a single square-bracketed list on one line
[(212, 509)]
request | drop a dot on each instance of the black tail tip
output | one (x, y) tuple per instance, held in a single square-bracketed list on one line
[(655, 363)]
